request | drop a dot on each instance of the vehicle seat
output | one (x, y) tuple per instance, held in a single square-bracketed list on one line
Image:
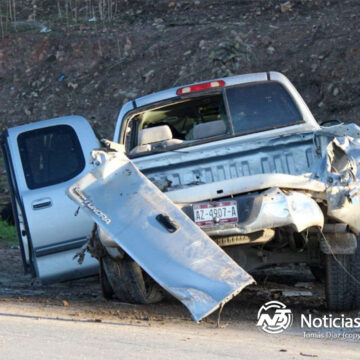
[(209, 129), (154, 138)]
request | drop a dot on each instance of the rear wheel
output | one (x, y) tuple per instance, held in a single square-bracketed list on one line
[(129, 283), (106, 287), (343, 281)]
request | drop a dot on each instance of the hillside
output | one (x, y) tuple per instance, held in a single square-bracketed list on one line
[(56, 60)]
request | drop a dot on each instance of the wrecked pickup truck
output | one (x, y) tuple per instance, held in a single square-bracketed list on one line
[(199, 183)]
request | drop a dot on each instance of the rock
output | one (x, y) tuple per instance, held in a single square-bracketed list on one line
[(171, 4), (270, 50), (148, 75), (61, 77), (290, 293), (266, 40), (182, 71), (72, 85), (286, 7), (127, 46), (59, 55), (45, 29), (314, 67), (335, 92), (127, 94)]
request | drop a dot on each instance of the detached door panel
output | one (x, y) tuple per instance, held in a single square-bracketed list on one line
[(46, 158)]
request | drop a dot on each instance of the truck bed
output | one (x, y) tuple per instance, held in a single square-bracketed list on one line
[(229, 159)]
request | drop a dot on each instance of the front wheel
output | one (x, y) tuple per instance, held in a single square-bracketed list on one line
[(342, 282)]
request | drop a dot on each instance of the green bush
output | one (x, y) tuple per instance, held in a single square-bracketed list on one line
[(8, 233)]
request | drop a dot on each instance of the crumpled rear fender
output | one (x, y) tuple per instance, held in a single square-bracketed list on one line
[(339, 169), (280, 208)]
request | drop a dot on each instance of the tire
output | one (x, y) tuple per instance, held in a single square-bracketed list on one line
[(341, 289), (129, 283), (106, 288)]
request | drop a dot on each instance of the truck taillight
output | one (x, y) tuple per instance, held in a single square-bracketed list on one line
[(200, 87)]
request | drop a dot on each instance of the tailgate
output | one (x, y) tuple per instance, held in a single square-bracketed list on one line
[(175, 253)]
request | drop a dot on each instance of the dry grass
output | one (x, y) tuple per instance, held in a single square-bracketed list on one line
[(13, 12)]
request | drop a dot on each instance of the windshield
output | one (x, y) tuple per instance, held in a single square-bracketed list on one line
[(236, 110)]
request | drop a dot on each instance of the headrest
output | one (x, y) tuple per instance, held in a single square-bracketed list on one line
[(154, 134), (209, 129)]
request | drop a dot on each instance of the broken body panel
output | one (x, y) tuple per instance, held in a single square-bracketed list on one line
[(184, 261)]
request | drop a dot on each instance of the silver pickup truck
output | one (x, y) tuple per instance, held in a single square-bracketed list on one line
[(242, 157)]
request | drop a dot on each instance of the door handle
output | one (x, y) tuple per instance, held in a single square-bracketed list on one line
[(41, 203)]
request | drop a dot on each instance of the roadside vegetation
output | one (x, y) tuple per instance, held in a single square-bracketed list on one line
[(8, 234)]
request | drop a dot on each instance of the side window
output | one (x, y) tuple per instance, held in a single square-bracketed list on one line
[(50, 155), (263, 106)]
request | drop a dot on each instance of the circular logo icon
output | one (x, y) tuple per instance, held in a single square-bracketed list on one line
[(274, 317)]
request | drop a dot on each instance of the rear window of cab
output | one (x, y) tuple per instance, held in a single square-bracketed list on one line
[(231, 111)]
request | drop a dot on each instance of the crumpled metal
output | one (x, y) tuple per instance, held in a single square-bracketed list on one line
[(343, 200), (279, 209), (186, 263)]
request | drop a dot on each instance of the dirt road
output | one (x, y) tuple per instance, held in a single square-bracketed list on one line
[(40, 337), (72, 320)]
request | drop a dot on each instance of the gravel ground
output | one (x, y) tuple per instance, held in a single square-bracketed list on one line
[(82, 298)]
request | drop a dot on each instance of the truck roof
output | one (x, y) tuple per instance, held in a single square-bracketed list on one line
[(229, 81)]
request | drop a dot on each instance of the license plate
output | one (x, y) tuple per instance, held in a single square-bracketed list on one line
[(207, 214)]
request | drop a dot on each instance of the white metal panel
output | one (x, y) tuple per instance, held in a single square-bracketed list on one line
[(123, 111), (187, 263)]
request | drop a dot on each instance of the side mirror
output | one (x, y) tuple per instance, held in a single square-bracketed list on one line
[(329, 123)]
